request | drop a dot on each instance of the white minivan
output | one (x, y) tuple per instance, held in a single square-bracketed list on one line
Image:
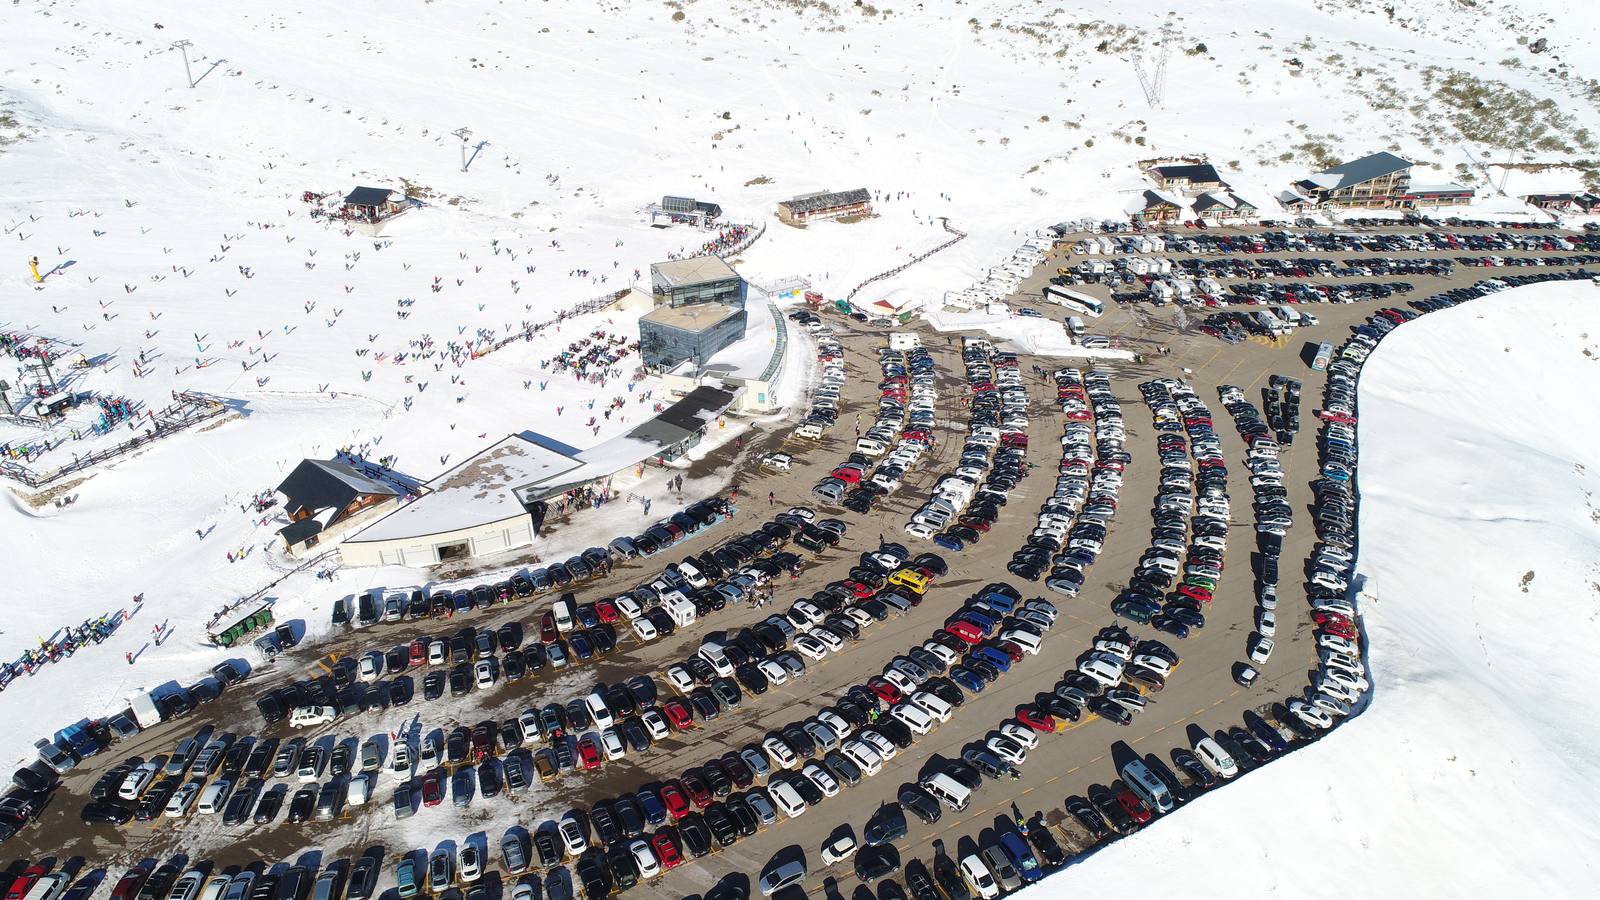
[(787, 799), (1152, 790), (950, 792), (215, 796), (598, 710)]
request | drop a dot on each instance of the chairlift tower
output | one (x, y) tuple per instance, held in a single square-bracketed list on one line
[(463, 133)]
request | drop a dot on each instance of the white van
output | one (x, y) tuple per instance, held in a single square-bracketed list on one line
[(950, 792), (978, 877), (562, 609), (305, 716), (903, 340), (787, 798), (809, 431), (913, 718), (598, 710), (679, 608), (1152, 790), (215, 796), (933, 706), (48, 887), (711, 652), (1075, 326)]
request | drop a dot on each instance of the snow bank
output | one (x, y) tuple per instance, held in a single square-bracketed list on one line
[(1473, 771)]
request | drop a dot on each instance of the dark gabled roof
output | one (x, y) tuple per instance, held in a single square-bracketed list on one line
[(1201, 173), (826, 200), (318, 484), (1156, 200), (295, 532), (368, 196), (712, 210), (1365, 169)]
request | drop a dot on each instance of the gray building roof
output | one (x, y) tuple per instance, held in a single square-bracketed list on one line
[(810, 203), (1364, 169), (676, 273)]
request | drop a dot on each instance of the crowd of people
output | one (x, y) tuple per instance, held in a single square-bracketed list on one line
[(65, 642), (592, 358)]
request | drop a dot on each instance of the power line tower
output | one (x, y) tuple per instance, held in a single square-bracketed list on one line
[(1155, 89)]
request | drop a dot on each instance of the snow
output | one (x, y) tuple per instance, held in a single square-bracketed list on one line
[(168, 220), (478, 492), (1480, 553)]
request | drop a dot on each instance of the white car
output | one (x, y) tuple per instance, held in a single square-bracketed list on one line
[(1339, 644), (1021, 734), (777, 462), (774, 671), (835, 721), (359, 790), (978, 877), (644, 629), (945, 654), (370, 666), (469, 863), (680, 679), (400, 761), (644, 859), (572, 837), (1260, 649), (1023, 639), (438, 652), (1156, 664), (757, 761), (1105, 669), (306, 716), (1008, 750), (1266, 622), (832, 641), (820, 777), (1330, 704), (878, 742), (485, 674), (656, 724), (779, 753), (1213, 757), (429, 758), (810, 647), (612, 745), (900, 680), (839, 849), (866, 758), (1309, 714), (184, 798)]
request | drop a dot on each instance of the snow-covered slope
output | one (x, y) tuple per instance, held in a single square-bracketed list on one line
[(1474, 769)]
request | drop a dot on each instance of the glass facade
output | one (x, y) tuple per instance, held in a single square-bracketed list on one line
[(664, 346), (725, 290)]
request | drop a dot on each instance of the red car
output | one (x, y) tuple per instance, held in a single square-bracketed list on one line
[(1011, 650), (848, 476), (1198, 593), (1036, 719), (695, 785), (24, 882), (973, 522), (675, 800), (128, 886), (859, 590), (1325, 617), (432, 788), (966, 632), (548, 634), (1134, 807), (666, 849), (606, 610), (589, 753), (886, 692), (419, 651), (679, 718), (1341, 629)]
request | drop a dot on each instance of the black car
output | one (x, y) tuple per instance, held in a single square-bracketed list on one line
[(547, 846), (629, 816), (624, 874), (919, 881), (739, 807), (722, 825), (897, 733), (593, 873), (1044, 842), (271, 804), (604, 822), (106, 787), (752, 679), (694, 836), (886, 825), (433, 686), (300, 808), (241, 803), (106, 812), (876, 861), (921, 804)]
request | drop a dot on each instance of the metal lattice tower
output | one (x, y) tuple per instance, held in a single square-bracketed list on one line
[(1155, 89)]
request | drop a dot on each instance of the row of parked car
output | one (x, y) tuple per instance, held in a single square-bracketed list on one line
[(1176, 577), (903, 428), (796, 766), (1273, 517), (1003, 279), (1329, 241), (1075, 519), (825, 395), (965, 502)]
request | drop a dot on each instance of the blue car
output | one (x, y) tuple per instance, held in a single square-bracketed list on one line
[(1021, 856), (582, 646), (993, 657), (999, 601), (653, 810), (982, 621), (948, 541), (967, 678)]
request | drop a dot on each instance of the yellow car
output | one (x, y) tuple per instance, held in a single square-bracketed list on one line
[(910, 579)]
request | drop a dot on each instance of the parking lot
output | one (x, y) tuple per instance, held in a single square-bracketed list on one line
[(1200, 696)]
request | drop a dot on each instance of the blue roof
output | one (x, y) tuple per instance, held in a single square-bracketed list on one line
[(549, 443)]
